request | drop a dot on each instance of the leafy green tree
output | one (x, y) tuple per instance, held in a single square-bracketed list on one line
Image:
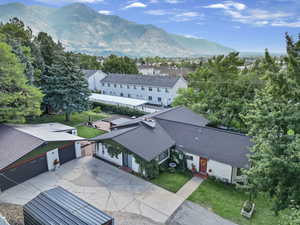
[(17, 98), (20, 38), (273, 120), (65, 87), (220, 90), (122, 65), (87, 62), (292, 217), (48, 48)]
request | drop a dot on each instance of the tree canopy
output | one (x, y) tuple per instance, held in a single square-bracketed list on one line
[(273, 119), (17, 98), (121, 65)]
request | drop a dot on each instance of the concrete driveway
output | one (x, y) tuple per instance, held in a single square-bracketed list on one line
[(104, 186), (190, 213)]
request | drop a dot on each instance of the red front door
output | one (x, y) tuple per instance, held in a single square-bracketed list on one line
[(203, 165)]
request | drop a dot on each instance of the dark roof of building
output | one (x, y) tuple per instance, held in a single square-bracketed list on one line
[(216, 144), (156, 81), (178, 114), (89, 73), (188, 131), (139, 140), (60, 207), (14, 144)]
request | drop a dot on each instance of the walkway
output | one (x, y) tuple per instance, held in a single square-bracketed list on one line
[(189, 187)]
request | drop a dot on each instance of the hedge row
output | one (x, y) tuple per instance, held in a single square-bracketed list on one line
[(118, 109)]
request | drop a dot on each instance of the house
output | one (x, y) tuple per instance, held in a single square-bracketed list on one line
[(94, 77), (28, 150), (157, 90), (208, 151), (60, 207)]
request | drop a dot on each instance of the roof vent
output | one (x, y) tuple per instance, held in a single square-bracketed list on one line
[(149, 122)]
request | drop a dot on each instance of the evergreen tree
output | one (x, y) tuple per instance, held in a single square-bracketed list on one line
[(65, 87), (17, 98), (121, 65), (274, 122)]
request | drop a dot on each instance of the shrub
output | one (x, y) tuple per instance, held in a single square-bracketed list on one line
[(118, 109)]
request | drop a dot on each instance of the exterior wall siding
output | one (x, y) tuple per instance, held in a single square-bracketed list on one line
[(101, 151), (219, 170), (159, 95)]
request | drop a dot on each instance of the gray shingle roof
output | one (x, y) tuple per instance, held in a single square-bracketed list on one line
[(216, 144), (140, 140), (89, 73), (156, 81), (14, 144), (188, 131), (60, 207), (178, 114)]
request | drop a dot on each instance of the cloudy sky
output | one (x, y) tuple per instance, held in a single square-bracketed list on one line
[(245, 25)]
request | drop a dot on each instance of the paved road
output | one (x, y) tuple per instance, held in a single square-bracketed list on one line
[(190, 213), (107, 188)]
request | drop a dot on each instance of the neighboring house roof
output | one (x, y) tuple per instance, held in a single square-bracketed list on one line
[(116, 100), (60, 207), (18, 140), (14, 144), (178, 114), (89, 73), (216, 144), (139, 140), (157, 81)]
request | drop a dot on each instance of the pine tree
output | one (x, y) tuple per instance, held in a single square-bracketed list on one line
[(65, 87), (17, 98)]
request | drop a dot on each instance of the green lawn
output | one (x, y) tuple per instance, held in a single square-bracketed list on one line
[(88, 132), (227, 201), (76, 118), (171, 181)]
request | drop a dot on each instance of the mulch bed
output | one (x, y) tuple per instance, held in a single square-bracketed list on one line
[(12, 213)]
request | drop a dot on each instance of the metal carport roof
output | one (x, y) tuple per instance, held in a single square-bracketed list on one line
[(60, 207)]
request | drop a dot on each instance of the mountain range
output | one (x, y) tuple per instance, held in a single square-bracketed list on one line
[(82, 29)]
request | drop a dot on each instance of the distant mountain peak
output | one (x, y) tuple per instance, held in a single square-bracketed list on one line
[(82, 29)]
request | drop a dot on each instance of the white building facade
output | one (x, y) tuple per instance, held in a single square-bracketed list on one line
[(157, 90)]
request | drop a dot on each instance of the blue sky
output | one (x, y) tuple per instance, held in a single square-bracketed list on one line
[(245, 25)]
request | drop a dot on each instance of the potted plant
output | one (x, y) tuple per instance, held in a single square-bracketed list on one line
[(193, 168), (248, 209), (249, 205), (56, 164)]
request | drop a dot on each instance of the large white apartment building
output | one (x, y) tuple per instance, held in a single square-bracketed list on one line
[(158, 90)]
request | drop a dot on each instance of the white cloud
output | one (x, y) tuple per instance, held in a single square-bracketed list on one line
[(186, 16), (174, 1), (227, 5), (158, 12), (294, 24), (136, 5), (257, 17), (192, 36), (105, 12)]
